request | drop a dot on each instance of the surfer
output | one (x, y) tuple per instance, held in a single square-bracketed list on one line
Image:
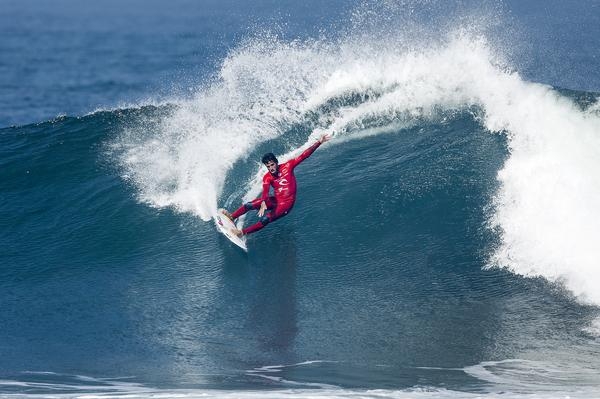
[(282, 178)]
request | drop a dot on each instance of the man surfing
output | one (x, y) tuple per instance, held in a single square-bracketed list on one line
[(282, 178)]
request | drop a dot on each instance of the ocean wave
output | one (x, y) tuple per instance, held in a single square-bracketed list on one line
[(545, 211)]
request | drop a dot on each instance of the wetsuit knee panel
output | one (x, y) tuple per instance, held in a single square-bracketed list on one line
[(264, 220)]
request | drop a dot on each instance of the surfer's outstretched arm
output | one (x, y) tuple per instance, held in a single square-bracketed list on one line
[(310, 150)]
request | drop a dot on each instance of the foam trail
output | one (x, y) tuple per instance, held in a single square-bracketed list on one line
[(547, 207)]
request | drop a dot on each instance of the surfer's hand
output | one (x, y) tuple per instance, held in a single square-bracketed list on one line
[(263, 208), (324, 138)]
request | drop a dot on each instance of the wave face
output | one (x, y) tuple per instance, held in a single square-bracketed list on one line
[(399, 273)]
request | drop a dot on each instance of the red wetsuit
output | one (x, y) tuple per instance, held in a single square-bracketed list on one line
[(284, 187)]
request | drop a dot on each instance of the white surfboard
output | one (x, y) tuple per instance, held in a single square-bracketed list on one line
[(225, 226)]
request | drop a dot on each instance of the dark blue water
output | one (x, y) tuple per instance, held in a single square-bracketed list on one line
[(385, 276), (68, 58)]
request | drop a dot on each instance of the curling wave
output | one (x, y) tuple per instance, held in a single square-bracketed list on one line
[(545, 210)]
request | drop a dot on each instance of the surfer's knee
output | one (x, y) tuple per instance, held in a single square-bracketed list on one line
[(264, 220)]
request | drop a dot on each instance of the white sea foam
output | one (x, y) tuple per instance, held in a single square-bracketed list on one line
[(506, 379), (548, 206), (118, 391), (518, 375), (547, 210), (593, 328), (312, 394)]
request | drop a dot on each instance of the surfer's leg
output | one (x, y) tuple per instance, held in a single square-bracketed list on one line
[(256, 226), (262, 222), (280, 211), (252, 205)]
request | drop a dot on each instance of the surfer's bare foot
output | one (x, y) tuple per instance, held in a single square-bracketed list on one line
[(237, 232), (226, 213)]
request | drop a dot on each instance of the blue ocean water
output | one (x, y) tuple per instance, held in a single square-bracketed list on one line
[(443, 244)]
